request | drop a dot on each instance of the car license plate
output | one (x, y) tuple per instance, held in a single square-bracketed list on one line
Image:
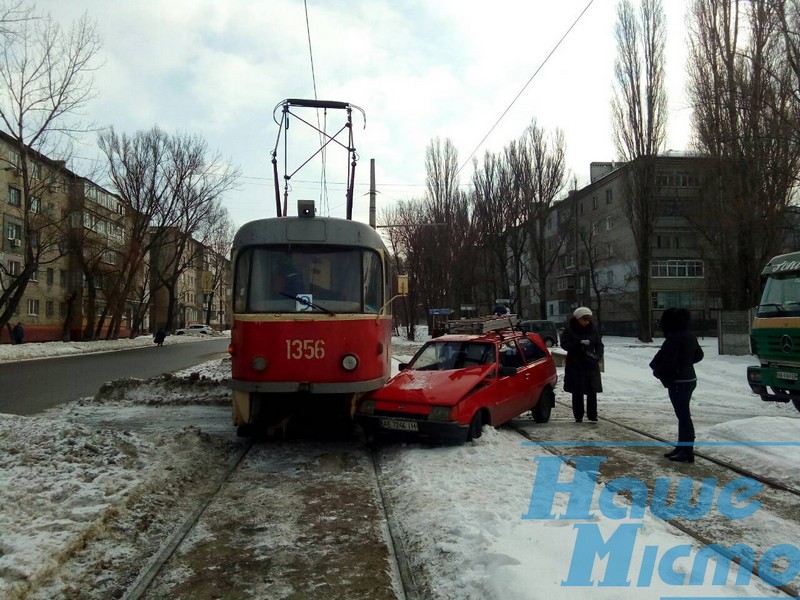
[(786, 375), (399, 424)]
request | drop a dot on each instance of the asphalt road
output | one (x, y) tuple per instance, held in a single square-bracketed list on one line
[(32, 386)]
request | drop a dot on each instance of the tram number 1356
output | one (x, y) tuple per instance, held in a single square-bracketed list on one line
[(307, 349)]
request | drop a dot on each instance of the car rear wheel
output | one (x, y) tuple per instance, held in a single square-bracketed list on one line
[(475, 427), (541, 412)]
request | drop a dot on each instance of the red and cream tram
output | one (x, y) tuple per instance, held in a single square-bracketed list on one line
[(310, 323)]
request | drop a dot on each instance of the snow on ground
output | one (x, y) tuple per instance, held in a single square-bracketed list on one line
[(466, 511)]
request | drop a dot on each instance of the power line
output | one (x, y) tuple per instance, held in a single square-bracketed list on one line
[(544, 62)]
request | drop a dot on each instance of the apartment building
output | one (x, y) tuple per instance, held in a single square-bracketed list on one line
[(199, 288), (79, 230), (597, 265)]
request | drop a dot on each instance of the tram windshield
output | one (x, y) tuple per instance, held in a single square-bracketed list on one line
[(308, 278)]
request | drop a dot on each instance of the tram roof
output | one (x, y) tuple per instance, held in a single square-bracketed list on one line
[(307, 230)]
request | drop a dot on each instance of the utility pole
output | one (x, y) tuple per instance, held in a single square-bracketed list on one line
[(372, 220)]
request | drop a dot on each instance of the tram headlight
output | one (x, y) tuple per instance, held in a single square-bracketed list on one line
[(349, 362), (367, 407), (259, 363)]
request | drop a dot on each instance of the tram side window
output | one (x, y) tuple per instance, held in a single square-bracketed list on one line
[(373, 280), (242, 280)]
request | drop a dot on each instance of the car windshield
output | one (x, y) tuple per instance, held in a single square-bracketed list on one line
[(445, 356), (781, 297)]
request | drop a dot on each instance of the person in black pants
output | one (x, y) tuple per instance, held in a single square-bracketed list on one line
[(584, 349), (674, 366)]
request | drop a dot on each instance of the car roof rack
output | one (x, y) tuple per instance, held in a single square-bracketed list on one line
[(480, 325)]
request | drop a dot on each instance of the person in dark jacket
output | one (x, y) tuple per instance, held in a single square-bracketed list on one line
[(584, 349), (674, 366), (160, 336), (18, 333)]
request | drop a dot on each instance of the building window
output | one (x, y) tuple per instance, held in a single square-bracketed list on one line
[(668, 241), (595, 202), (14, 235), (33, 307), (14, 196), (566, 283), (609, 223), (49, 308), (14, 267), (62, 278), (608, 196), (683, 299), (677, 268), (35, 204), (51, 276), (595, 228), (35, 276), (62, 309)]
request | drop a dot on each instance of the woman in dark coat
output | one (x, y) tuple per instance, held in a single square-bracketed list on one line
[(674, 366), (584, 349)]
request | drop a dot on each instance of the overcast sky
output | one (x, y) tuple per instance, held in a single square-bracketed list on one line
[(418, 68)]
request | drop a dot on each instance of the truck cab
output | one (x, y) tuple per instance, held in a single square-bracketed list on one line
[(775, 334)]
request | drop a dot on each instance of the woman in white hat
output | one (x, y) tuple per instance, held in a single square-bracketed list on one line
[(584, 349)]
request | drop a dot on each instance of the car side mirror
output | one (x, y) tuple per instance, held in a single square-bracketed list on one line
[(402, 366), (508, 371)]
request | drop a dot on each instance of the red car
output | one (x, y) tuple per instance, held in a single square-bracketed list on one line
[(455, 384)]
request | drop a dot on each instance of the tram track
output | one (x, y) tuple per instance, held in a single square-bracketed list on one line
[(778, 500), (252, 533)]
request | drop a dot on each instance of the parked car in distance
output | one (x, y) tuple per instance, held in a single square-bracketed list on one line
[(457, 383), (195, 329), (548, 330)]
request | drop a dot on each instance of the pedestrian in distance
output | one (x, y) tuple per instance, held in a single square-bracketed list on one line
[(18, 332), (673, 365), (585, 349), (160, 336), (500, 310)]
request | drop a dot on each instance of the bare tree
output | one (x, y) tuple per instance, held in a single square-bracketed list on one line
[(493, 183), (743, 88), (45, 80), (408, 234), (639, 112), (198, 181), (172, 187), (218, 243), (444, 205), (540, 175)]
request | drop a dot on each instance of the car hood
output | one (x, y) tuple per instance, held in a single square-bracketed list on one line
[(432, 387)]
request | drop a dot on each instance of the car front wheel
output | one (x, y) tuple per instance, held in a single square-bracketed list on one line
[(541, 412), (475, 427)]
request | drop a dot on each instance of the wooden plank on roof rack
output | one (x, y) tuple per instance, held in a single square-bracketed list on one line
[(482, 324)]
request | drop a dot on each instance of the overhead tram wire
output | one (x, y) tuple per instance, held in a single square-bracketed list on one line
[(539, 68), (323, 192)]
